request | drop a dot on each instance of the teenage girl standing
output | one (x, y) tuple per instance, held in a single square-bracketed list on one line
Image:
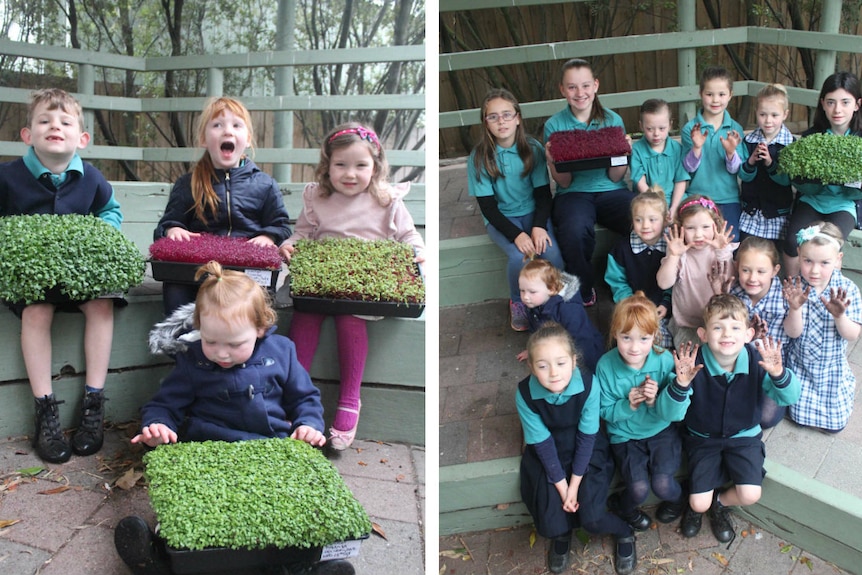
[(226, 194), (589, 196), (350, 199), (508, 176)]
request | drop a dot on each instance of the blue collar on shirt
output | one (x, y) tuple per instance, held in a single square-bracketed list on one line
[(576, 386), (726, 120), (31, 160), (712, 367), (638, 245), (784, 137)]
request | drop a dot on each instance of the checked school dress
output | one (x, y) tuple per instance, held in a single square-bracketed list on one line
[(819, 359)]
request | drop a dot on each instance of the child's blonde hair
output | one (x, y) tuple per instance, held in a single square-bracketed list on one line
[(775, 92), (821, 234), (724, 306), (551, 330), (546, 272), (486, 150), (204, 174), (635, 311), (696, 204), (55, 99), (761, 245), (655, 198), (233, 297), (346, 135)]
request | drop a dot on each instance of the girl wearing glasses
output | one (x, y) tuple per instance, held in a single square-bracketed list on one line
[(508, 176), (586, 196)]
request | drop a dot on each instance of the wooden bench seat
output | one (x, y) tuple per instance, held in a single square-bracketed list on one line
[(393, 396)]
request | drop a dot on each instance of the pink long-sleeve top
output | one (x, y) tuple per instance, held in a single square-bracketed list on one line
[(692, 291), (359, 216)]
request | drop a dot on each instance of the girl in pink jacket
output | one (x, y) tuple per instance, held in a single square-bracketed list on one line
[(350, 199)]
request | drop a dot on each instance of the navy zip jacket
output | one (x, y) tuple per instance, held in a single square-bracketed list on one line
[(270, 395), (85, 192), (250, 204)]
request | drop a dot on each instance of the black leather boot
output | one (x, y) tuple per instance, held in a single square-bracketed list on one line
[(137, 547), (48, 439), (90, 435)]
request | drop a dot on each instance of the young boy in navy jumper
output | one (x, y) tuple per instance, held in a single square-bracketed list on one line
[(721, 430), (52, 179)]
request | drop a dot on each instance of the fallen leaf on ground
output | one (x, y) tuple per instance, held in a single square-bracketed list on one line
[(721, 559), (378, 530), (399, 478), (31, 471), (459, 553), (807, 562), (384, 460), (362, 463), (532, 538), (8, 522), (54, 491), (129, 479)]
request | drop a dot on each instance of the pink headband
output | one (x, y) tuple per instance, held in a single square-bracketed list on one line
[(705, 202), (363, 133)]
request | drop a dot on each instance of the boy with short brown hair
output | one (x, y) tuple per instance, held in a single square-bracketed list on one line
[(721, 431), (52, 179)]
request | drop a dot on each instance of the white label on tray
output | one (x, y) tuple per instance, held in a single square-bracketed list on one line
[(261, 277), (340, 550), (619, 160)]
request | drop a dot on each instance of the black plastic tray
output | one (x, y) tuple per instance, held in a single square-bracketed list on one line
[(184, 273), (221, 559), (592, 163), (353, 307)]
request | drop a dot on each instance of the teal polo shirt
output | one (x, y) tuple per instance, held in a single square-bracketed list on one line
[(712, 178), (513, 192), (596, 180)]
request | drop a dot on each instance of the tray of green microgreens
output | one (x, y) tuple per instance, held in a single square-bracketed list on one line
[(354, 276), (824, 158), (47, 257), (232, 505)]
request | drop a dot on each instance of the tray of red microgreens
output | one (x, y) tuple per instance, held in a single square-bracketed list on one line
[(177, 261), (574, 150)]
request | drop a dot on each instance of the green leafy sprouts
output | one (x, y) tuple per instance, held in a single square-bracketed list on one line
[(250, 495), (825, 157), (83, 256), (355, 269)]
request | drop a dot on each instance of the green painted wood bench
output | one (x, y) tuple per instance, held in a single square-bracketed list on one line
[(393, 397)]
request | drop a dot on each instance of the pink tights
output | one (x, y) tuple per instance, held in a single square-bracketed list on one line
[(352, 337)]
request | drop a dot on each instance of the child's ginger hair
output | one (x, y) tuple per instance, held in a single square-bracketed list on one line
[(233, 297), (697, 203), (204, 174), (724, 306), (345, 135), (635, 311), (654, 197), (545, 271), (551, 330), (55, 99)]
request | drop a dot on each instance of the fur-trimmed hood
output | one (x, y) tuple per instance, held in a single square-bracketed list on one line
[(571, 286), (172, 336)]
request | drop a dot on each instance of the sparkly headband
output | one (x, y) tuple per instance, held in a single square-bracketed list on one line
[(811, 232), (705, 202), (363, 133)]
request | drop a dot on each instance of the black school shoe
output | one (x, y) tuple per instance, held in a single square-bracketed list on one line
[(668, 511), (337, 567), (691, 522), (625, 563), (90, 435), (48, 438), (638, 520), (135, 546), (720, 521), (558, 558)]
